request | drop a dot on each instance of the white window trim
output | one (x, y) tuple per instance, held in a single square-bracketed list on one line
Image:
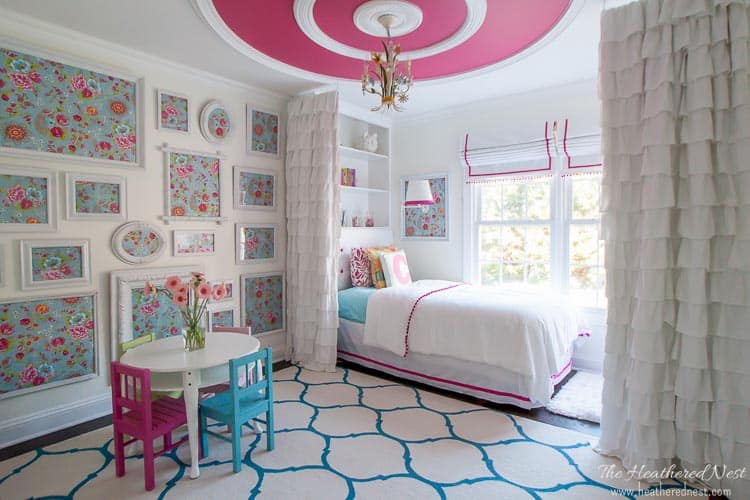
[(561, 202)]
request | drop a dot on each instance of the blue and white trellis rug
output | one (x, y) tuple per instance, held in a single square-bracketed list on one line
[(345, 435)]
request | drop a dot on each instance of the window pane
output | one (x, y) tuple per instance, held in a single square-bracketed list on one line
[(489, 243), (584, 244), (512, 273), (586, 286), (491, 273), (538, 244), (514, 201), (586, 198), (514, 245), (584, 277), (538, 196), (491, 196), (538, 274)]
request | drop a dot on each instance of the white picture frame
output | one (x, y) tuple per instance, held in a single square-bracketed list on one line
[(242, 250), (188, 243), (239, 195), (249, 132), (121, 286), (129, 257), (71, 182), (85, 64), (244, 301), (205, 126), (235, 310), (232, 286), (403, 209), (3, 278), (51, 193), (58, 269), (171, 215), (159, 125)]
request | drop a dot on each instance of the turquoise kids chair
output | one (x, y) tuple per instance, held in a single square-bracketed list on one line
[(240, 404)]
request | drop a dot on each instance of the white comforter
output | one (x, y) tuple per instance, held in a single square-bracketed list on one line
[(525, 331)]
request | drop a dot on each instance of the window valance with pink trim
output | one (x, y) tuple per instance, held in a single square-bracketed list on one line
[(582, 152)]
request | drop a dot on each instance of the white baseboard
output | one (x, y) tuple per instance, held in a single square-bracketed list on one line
[(589, 365), (19, 429)]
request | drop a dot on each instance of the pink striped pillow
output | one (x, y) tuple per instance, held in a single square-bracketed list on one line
[(360, 267)]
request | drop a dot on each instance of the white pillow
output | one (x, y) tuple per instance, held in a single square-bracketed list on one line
[(395, 268)]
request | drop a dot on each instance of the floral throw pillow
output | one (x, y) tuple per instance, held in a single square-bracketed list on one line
[(359, 264), (376, 268)]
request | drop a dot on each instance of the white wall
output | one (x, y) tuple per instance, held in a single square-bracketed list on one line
[(43, 411), (431, 144)]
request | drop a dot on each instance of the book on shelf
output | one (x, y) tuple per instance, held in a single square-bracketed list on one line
[(348, 177)]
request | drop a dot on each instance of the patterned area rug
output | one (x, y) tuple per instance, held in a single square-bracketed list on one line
[(580, 397), (345, 435)]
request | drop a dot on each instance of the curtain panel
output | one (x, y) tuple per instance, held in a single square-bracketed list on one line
[(676, 221), (313, 230)]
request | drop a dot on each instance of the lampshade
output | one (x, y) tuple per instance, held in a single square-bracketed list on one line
[(418, 193)]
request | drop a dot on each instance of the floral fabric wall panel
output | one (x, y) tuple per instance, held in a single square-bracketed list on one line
[(263, 303), (174, 112), (155, 314), (222, 318), (97, 197), (258, 242), (264, 132), (433, 223), (256, 190), (46, 340), (56, 108), (56, 263), (23, 200), (193, 185)]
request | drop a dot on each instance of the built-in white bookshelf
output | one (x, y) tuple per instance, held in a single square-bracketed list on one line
[(370, 195)]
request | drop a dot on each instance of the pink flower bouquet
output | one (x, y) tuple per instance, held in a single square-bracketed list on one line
[(191, 306)]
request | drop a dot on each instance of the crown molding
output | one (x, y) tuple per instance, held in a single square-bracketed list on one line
[(29, 29)]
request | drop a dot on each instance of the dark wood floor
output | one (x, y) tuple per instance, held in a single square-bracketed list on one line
[(539, 414)]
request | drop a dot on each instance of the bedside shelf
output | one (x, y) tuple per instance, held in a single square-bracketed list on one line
[(356, 189), (361, 153)]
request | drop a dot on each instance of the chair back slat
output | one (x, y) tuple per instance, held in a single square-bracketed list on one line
[(131, 389), (248, 364)]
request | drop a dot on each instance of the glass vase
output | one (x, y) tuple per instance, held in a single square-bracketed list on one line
[(195, 338)]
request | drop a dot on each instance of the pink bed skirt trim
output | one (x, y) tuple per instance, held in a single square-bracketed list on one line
[(555, 378)]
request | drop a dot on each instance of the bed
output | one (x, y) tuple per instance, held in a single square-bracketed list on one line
[(506, 345)]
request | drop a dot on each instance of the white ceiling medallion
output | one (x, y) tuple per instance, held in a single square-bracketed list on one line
[(406, 17), (303, 14)]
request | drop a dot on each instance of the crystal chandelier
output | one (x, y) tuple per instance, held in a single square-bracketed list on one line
[(382, 75)]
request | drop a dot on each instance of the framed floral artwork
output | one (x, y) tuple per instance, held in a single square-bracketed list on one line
[(263, 298), (255, 243), (102, 197), (263, 132), (134, 314), (27, 200), (65, 108), (46, 342), (254, 189), (138, 242), (229, 297), (193, 186), (215, 122), (431, 224), (189, 243), (173, 111), (223, 316), (54, 263)]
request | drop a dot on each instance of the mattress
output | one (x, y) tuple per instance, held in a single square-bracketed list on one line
[(483, 381)]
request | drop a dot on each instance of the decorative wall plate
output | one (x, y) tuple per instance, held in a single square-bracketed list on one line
[(138, 242), (215, 122)]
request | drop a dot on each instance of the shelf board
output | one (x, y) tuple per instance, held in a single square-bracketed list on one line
[(360, 228), (363, 189), (361, 153)]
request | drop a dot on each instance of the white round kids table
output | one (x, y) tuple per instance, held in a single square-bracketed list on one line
[(181, 370)]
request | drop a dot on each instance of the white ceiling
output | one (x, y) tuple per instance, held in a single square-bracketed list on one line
[(173, 30)]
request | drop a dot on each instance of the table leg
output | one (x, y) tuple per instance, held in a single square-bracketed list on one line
[(190, 383)]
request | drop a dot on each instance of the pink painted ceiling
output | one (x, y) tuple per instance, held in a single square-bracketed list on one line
[(509, 27)]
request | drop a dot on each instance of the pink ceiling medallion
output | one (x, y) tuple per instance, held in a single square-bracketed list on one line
[(325, 41)]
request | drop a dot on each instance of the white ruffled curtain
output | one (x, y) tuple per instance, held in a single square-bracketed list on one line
[(313, 230), (676, 219)]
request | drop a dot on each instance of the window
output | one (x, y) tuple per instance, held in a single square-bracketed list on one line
[(519, 236)]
